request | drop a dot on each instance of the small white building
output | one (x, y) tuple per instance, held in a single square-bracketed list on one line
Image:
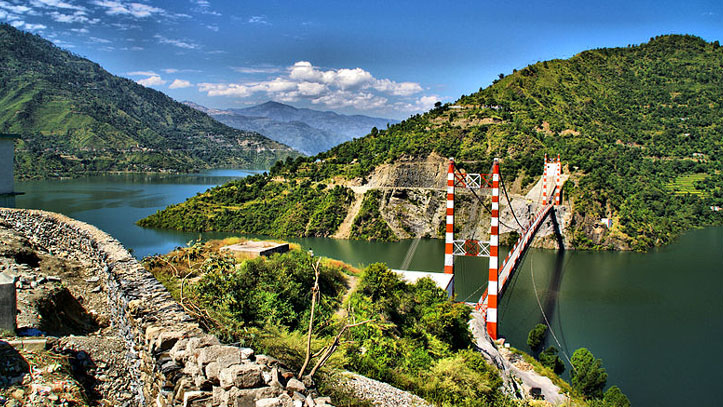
[(607, 222), (7, 153)]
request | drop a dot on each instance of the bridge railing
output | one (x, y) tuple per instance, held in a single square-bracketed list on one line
[(513, 258)]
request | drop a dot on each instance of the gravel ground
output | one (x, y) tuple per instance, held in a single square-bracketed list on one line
[(381, 394)]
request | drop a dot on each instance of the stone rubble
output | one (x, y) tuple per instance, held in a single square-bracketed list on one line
[(380, 393), (170, 360), (149, 351)]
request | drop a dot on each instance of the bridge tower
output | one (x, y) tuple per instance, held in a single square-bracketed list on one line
[(469, 247), (552, 170)]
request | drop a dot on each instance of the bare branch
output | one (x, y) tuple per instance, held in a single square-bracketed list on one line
[(314, 295), (335, 344)]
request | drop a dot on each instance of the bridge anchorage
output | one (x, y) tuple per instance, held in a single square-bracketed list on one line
[(498, 275)]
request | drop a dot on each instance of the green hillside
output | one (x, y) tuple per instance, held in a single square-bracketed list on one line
[(627, 122), (74, 117)]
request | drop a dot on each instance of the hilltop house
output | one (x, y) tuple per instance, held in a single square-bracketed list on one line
[(7, 152)]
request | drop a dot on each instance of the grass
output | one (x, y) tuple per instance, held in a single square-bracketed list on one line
[(685, 184)]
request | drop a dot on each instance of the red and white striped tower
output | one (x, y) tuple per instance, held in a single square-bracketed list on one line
[(492, 287), (558, 167), (449, 231), (544, 182)]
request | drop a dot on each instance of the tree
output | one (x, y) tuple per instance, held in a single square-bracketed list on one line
[(551, 360), (536, 337), (614, 397), (588, 375)]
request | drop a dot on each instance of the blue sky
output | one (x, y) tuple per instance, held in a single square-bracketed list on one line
[(383, 58)]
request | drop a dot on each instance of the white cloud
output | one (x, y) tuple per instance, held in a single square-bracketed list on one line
[(256, 69), (204, 7), (56, 4), (311, 88), (142, 73), (17, 9), (397, 88), (80, 30), (180, 83), (259, 20), (33, 27), (154, 80), (216, 89), (21, 24), (76, 17), (176, 70), (212, 27), (99, 40), (138, 10), (353, 88), (176, 43)]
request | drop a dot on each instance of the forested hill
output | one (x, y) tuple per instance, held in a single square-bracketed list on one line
[(639, 129), (75, 117)]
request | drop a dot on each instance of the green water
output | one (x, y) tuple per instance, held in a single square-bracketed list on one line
[(656, 319)]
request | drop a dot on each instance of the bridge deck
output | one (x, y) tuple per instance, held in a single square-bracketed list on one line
[(514, 258)]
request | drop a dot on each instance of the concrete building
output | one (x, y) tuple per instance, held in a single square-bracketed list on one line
[(255, 249), (8, 303), (7, 153)]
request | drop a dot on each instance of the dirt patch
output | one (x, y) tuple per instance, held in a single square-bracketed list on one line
[(61, 314), (84, 361)]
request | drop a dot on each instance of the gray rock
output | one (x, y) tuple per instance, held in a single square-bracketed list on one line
[(295, 385), (178, 351), (243, 376), (224, 356), (269, 402), (195, 398), (212, 371), (200, 342), (166, 340), (275, 378), (246, 353), (248, 397)]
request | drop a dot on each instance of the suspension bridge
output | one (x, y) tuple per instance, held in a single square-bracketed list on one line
[(498, 274)]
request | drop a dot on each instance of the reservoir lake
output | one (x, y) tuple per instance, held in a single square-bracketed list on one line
[(655, 319)]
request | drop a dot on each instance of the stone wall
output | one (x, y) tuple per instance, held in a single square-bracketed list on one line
[(175, 362)]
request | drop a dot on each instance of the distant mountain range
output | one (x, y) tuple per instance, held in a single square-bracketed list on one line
[(306, 130), (76, 118)]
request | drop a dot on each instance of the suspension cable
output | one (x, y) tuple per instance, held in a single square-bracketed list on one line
[(544, 316), (483, 204), (502, 181)]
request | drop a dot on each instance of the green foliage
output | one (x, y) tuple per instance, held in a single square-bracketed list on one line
[(626, 122), (464, 379), (419, 341), (588, 376), (255, 205), (536, 337), (369, 224), (551, 360), (76, 118), (264, 291), (614, 397)]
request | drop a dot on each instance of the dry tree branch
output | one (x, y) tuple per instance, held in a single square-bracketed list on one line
[(314, 295), (330, 350)]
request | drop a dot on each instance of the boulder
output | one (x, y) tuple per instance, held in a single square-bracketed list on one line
[(243, 376), (224, 356), (295, 385)]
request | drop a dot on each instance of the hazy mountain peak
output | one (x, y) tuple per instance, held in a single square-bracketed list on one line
[(307, 130)]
